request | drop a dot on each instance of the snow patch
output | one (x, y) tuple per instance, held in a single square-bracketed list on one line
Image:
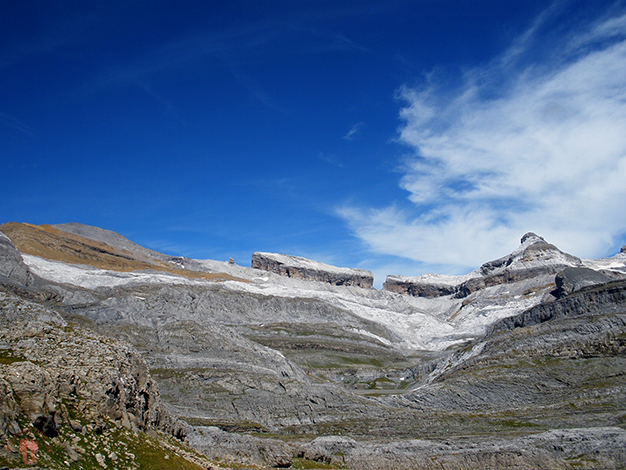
[(90, 278)]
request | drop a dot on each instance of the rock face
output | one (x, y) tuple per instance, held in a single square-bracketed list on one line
[(496, 369), (65, 387), (12, 267), (606, 299), (535, 257), (57, 362), (556, 450), (428, 286), (302, 268), (573, 279), (59, 380)]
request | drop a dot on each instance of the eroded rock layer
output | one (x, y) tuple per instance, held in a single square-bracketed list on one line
[(535, 257), (302, 268)]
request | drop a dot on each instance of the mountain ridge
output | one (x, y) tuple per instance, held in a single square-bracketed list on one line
[(282, 371), (57, 242)]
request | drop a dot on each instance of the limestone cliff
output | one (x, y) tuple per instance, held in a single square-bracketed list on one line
[(302, 268), (69, 396)]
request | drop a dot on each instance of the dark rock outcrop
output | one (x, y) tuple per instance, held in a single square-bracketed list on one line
[(573, 279), (301, 268), (605, 299), (418, 288)]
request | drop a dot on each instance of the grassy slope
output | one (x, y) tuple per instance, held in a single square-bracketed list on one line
[(48, 242)]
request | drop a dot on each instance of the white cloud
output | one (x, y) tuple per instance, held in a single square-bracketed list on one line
[(543, 152), (354, 130)]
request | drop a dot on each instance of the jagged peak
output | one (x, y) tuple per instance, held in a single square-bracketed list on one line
[(534, 251), (533, 237), (533, 257)]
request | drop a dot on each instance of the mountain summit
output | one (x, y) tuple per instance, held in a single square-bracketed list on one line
[(533, 258)]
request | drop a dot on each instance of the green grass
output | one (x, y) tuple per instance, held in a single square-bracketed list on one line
[(118, 447), (7, 356), (309, 464)]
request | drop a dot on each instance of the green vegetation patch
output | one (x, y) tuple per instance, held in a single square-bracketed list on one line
[(309, 464), (82, 444), (8, 356)]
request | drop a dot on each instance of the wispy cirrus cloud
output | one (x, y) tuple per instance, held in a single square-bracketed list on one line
[(15, 125), (523, 145), (354, 130)]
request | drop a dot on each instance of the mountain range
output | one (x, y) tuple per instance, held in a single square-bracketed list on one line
[(117, 356)]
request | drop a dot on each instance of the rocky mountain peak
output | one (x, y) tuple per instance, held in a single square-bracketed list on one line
[(534, 257), (534, 252), (532, 237)]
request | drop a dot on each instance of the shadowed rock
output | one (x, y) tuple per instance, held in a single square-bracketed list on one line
[(573, 279), (302, 268), (12, 267)]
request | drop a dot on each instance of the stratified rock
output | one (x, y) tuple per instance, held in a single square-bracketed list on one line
[(534, 257), (573, 279), (591, 448), (302, 268), (12, 267), (241, 449), (607, 299), (426, 285), (533, 254), (51, 361)]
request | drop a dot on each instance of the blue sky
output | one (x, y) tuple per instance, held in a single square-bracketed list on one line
[(398, 136)]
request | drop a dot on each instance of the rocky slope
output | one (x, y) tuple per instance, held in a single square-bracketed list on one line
[(518, 364), (70, 398), (91, 246)]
